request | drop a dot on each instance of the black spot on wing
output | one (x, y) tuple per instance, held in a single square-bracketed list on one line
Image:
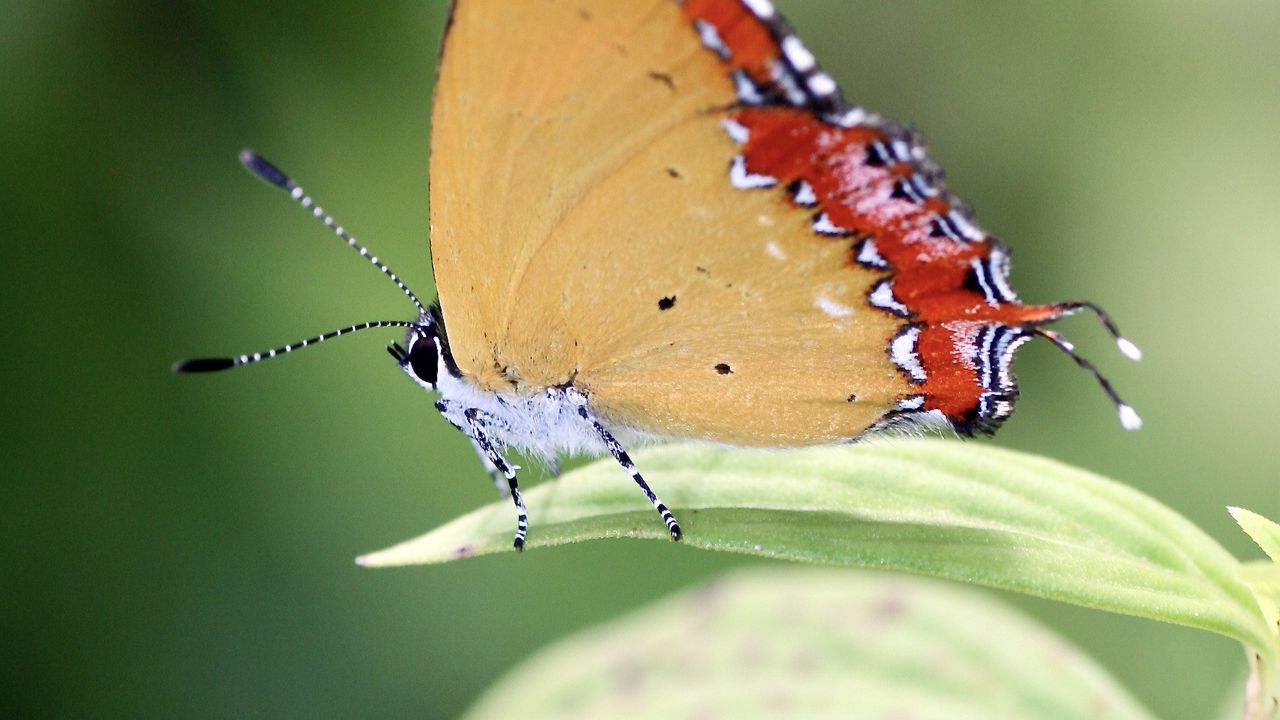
[(667, 303), (663, 78), (724, 369)]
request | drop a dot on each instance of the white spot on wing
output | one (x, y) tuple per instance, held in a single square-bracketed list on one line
[(901, 150), (882, 297), (903, 352), (833, 308), (804, 194), (781, 75), (912, 402), (748, 91), (797, 54), (868, 255), (822, 85), (852, 117), (775, 251), (711, 39), (823, 225), (736, 130), (744, 180), (762, 9)]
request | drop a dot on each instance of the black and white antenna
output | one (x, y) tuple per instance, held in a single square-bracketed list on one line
[(1129, 418), (223, 363), (273, 175)]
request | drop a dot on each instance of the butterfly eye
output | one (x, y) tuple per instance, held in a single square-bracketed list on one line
[(423, 360)]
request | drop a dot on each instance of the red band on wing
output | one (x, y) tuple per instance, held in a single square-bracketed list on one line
[(749, 42), (870, 181)]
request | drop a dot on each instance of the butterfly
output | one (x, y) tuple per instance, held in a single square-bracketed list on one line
[(660, 219)]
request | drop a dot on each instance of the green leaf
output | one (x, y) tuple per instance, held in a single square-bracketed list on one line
[(1263, 578), (963, 511), (791, 642), (1263, 531)]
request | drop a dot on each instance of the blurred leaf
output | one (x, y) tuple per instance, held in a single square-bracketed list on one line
[(955, 510), (786, 642), (1263, 577)]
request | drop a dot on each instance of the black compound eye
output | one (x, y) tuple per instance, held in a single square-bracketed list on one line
[(423, 360)]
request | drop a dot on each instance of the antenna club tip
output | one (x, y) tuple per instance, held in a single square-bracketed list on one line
[(1128, 349), (258, 165), (203, 365), (1129, 418)]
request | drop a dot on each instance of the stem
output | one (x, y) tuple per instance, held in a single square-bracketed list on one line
[(1261, 694)]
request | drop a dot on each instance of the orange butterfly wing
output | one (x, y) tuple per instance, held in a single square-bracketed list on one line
[(669, 206), (580, 183)]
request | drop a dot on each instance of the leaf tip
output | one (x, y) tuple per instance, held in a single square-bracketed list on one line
[(1262, 531)]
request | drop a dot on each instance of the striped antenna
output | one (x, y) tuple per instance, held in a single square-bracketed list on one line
[(212, 364), (1129, 418), (272, 174)]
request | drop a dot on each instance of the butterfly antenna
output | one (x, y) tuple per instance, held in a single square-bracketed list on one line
[(272, 174), (223, 363), (1127, 348), (1129, 418)]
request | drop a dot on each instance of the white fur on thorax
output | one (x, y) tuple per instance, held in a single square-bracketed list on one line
[(544, 423), (539, 422)]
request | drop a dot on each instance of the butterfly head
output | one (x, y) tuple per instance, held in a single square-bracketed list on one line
[(423, 356)]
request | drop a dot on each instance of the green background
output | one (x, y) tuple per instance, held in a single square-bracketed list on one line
[(182, 546)]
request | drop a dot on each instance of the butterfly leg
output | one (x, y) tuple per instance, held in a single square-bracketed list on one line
[(474, 430), (499, 481), (620, 454), (496, 475)]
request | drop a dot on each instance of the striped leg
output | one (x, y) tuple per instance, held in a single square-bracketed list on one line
[(475, 431), (624, 460), (499, 481), (496, 475)]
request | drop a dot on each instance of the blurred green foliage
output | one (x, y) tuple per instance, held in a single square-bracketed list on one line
[(809, 643), (183, 545)]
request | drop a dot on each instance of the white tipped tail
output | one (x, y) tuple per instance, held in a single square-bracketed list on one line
[(1128, 349), (1129, 419)]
